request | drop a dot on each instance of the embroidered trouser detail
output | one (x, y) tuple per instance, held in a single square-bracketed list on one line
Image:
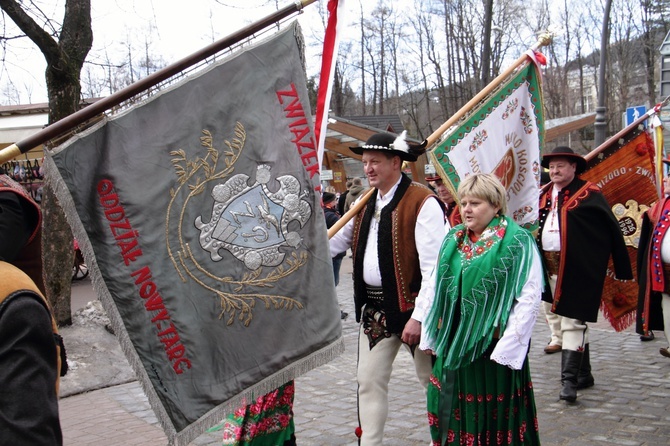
[(374, 373)]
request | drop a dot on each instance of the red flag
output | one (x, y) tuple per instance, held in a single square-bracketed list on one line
[(330, 46)]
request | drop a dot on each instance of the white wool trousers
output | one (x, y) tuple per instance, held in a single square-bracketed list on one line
[(374, 373), (665, 305), (572, 334)]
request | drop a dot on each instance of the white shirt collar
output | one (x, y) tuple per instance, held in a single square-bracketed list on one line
[(391, 191)]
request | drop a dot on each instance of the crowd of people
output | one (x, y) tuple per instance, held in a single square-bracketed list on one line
[(451, 278), (445, 275)]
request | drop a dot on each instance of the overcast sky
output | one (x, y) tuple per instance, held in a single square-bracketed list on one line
[(173, 30)]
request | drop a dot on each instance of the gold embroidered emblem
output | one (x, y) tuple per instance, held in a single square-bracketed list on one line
[(248, 222), (630, 220)]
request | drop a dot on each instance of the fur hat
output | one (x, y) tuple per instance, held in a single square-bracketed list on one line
[(397, 145), (569, 154), (328, 197)]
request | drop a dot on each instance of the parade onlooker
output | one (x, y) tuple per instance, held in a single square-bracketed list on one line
[(329, 204), (355, 191), (578, 233), (342, 199), (453, 215), (329, 201), (488, 284), (395, 239)]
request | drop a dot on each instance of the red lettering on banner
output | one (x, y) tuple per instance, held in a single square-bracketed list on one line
[(127, 240), (298, 122), (153, 302), (161, 316), (292, 93), (299, 133), (303, 137)]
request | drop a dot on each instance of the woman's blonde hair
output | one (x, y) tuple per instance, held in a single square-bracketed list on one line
[(485, 186)]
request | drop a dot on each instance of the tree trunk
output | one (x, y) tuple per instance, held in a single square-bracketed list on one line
[(58, 244), (58, 257)]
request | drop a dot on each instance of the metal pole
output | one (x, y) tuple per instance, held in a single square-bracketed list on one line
[(601, 119), (69, 122)]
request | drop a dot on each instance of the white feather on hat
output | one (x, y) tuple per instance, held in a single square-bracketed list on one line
[(400, 143)]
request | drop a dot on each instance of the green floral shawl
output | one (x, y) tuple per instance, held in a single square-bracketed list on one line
[(476, 283)]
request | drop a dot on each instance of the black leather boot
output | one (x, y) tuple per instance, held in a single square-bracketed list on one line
[(585, 378), (570, 362)]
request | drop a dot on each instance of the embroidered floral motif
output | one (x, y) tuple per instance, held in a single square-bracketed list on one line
[(489, 237), (270, 414), (374, 326)]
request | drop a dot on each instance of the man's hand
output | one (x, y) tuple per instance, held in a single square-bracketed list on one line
[(411, 335)]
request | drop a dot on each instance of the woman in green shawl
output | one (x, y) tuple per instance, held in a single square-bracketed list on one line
[(488, 283)]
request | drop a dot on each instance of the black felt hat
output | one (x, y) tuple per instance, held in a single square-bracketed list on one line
[(328, 197), (569, 154), (397, 145)]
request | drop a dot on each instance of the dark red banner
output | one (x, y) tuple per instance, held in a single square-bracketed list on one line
[(624, 171)]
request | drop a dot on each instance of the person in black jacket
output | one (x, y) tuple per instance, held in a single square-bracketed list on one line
[(29, 358), (578, 233), (330, 202), (342, 199), (329, 209)]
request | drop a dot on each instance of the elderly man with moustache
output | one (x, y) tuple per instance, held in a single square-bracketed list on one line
[(395, 239), (578, 233)]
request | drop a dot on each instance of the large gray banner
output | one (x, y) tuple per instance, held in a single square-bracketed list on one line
[(197, 214)]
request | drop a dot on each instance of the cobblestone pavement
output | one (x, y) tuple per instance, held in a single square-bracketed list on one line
[(629, 405)]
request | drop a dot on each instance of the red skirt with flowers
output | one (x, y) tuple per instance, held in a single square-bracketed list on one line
[(266, 422), (483, 403)]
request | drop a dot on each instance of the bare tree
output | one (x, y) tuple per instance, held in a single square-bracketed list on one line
[(653, 27), (65, 48), (423, 30)]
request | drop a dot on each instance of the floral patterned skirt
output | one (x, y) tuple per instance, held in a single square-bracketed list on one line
[(267, 422), (483, 403)]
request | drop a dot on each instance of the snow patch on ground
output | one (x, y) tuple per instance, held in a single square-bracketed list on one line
[(92, 313)]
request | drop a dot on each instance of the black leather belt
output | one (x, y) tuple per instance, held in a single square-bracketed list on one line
[(374, 293)]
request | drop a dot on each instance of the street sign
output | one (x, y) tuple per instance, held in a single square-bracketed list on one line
[(664, 115), (634, 113), (326, 175)]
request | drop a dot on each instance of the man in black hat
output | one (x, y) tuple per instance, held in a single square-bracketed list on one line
[(578, 232), (395, 240)]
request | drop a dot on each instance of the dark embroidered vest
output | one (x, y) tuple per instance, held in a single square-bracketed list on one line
[(659, 215), (396, 249)]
